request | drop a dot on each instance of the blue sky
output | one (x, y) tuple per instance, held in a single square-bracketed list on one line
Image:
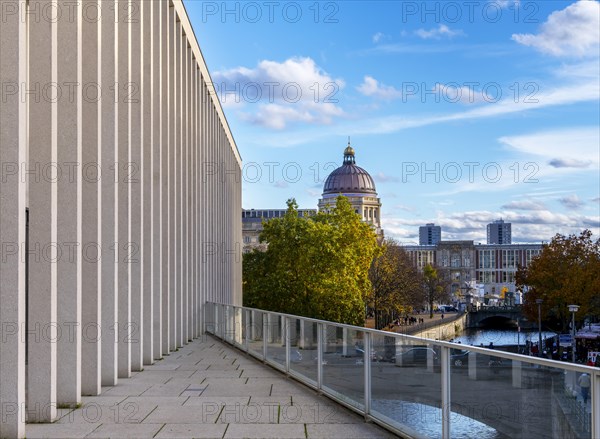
[(463, 112)]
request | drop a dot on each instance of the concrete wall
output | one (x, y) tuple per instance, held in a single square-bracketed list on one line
[(444, 331), (111, 138)]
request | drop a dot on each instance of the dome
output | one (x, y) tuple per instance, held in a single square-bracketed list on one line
[(349, 178)]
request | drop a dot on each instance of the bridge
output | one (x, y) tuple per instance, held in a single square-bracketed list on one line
[(490, 315)]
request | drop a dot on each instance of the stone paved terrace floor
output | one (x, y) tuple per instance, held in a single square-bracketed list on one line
[(208, 390)]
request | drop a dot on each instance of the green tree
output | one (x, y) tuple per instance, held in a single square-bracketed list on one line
[(395, 281), (565, 273), (314, 267), (435, 286)]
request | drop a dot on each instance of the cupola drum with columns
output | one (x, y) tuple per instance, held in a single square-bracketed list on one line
[(358, 186)]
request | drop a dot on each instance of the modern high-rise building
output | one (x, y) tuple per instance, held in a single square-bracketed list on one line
[(499, 232), (120, 199), (430, 234), (492, 267)]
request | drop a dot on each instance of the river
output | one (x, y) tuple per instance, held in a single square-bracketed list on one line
[(500, 337)]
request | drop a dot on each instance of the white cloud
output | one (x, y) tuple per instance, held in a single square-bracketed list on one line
[(569, 163), (562, 148), (378, 37), (372, 87), (404, 207), (295, 90), (571, 202), (436, 33), (280, 184), (279, 116), (524, 205), (573, 31), (581, 91), (534, 226), (506, 3)]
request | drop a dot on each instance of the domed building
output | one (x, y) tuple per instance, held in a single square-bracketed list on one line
[(358, 186)]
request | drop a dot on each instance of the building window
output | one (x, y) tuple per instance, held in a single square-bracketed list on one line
[(509, 259), (455, 260), (508, 276)]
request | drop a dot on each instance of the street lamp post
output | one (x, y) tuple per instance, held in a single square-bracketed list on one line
[(539, 304), (573, 309)]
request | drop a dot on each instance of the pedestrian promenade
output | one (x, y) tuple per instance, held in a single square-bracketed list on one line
[(208, 390)]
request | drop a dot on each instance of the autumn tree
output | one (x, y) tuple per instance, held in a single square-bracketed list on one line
[(314, 267), (395, 283), (435, 286), (565, 273)]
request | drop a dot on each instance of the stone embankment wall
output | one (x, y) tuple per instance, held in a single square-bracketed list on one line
[(445, 329)]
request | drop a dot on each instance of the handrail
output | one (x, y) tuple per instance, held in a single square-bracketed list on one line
[(226, 320)]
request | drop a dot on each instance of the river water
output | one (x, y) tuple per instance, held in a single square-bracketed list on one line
[(426, 419), (500, 337)]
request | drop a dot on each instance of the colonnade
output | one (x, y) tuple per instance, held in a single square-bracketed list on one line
[(120, 197)]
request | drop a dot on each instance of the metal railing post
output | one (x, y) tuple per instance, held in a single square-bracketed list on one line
[(595, 404), (203, 318), (222, 321), (217, 312), (320, 330), (247, 337), (288, 349), (367, 363), (445, 372), (265, 322)]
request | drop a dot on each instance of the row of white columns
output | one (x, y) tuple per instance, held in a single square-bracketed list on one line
[(115, 147)]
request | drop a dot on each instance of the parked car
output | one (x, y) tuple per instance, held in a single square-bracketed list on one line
[(416, 356), (459, 358)]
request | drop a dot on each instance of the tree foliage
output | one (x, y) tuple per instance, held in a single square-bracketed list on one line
[(396, 284), (314, 267), (435, 286), (565, 273)]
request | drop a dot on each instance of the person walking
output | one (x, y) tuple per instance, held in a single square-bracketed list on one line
[(584, 384)]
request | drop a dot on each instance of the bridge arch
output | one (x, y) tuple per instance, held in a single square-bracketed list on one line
[(494, 317)]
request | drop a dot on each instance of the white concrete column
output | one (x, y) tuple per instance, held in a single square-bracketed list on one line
[(157, 129), (165, 176), (345, 342), (136, 183), (147, 143), (190, 192), (430, 362), (108, 141), (69, 210), (91, 205), (193, 205), (184, 237), (202, 184), (124, 168), (238, 325), (302, 336), (13, 137), (202, 154), (201, 198), (173, 194), (517, 374), (472, 365), (42, 191), (179, 148)]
